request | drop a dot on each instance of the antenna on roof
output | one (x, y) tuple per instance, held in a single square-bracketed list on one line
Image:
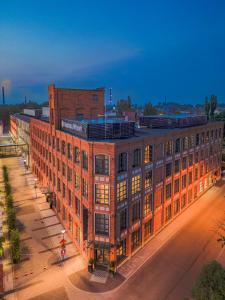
[(110, 96)]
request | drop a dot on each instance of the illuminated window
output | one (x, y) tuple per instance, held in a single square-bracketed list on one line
[(148, 179), (148, 155), (77, 181), (135, 239), (69, 151), (84, 187), (169, 148), (101, 164), (69, 174), (136, 184), (185, 143), (121, 191), (177, 166), (77, 207), (102, 194), (63, 147), (148, 229), (183, 201), (76, 155), (168, 213), (148, 204)]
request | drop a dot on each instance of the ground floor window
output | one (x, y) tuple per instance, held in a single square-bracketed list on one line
[(189, 196), (148, 229), (168, 212), (121, 250), (176, 206), (135, 239), (183, 201), (101, 253)]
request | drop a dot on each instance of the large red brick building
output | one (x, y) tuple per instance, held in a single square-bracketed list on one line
[(113, 194)]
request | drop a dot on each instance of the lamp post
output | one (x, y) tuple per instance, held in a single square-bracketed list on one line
[(25, 167), (35, 186)]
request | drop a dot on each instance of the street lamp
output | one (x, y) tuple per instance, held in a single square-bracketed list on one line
[(35, 186), (24, 162)]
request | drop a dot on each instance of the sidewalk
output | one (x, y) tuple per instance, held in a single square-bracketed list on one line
[(40, 235)]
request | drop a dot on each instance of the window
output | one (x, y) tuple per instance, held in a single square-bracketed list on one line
[(148, 229), (64, 191), (58, 185), (197, 140), (85, 160), (64, 169), (136, 184), (102, 194), (135, 239), (137, 158), (76, 155), (201, 170), (77, 234), (77, 181), (136, 211), (102, 224), (183, 201), (168, 190), (176, 186), (148, 179), (190, 159), (123, 219), (148, 204), (70, 198), (196, 157), (58, 165), (102, 164), (122, 162), (69, 151), (176, 206), (77, 207), (191, 141), (84, 187), (168, 169), (184, 163), (177, 166), (196, 173), (168, 212), (69, 174), (169, 148), (63, 148), (184, 181), (148, 154), (190, 178), (189, 196), (121, 191), (177, 146), (64, 213), (58, 144), (185, 143), (70, 224)]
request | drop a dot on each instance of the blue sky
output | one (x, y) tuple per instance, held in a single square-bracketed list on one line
[(145, 49)]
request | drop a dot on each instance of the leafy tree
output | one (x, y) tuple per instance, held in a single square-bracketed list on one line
[(15, 245), (211, 283), (124, 105), (213, 105), (11, 217), (207, 107), (149, 109)]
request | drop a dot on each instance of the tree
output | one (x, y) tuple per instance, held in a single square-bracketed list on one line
[(213, 105), (210, 285), (149, 109), (124, 105), (15, 245), (207, 107)]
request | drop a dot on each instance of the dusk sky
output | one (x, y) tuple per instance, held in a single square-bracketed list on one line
[(145, 49)]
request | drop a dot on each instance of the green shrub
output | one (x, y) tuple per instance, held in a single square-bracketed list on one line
[(11, 218), (211, 283), (15, 245)]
